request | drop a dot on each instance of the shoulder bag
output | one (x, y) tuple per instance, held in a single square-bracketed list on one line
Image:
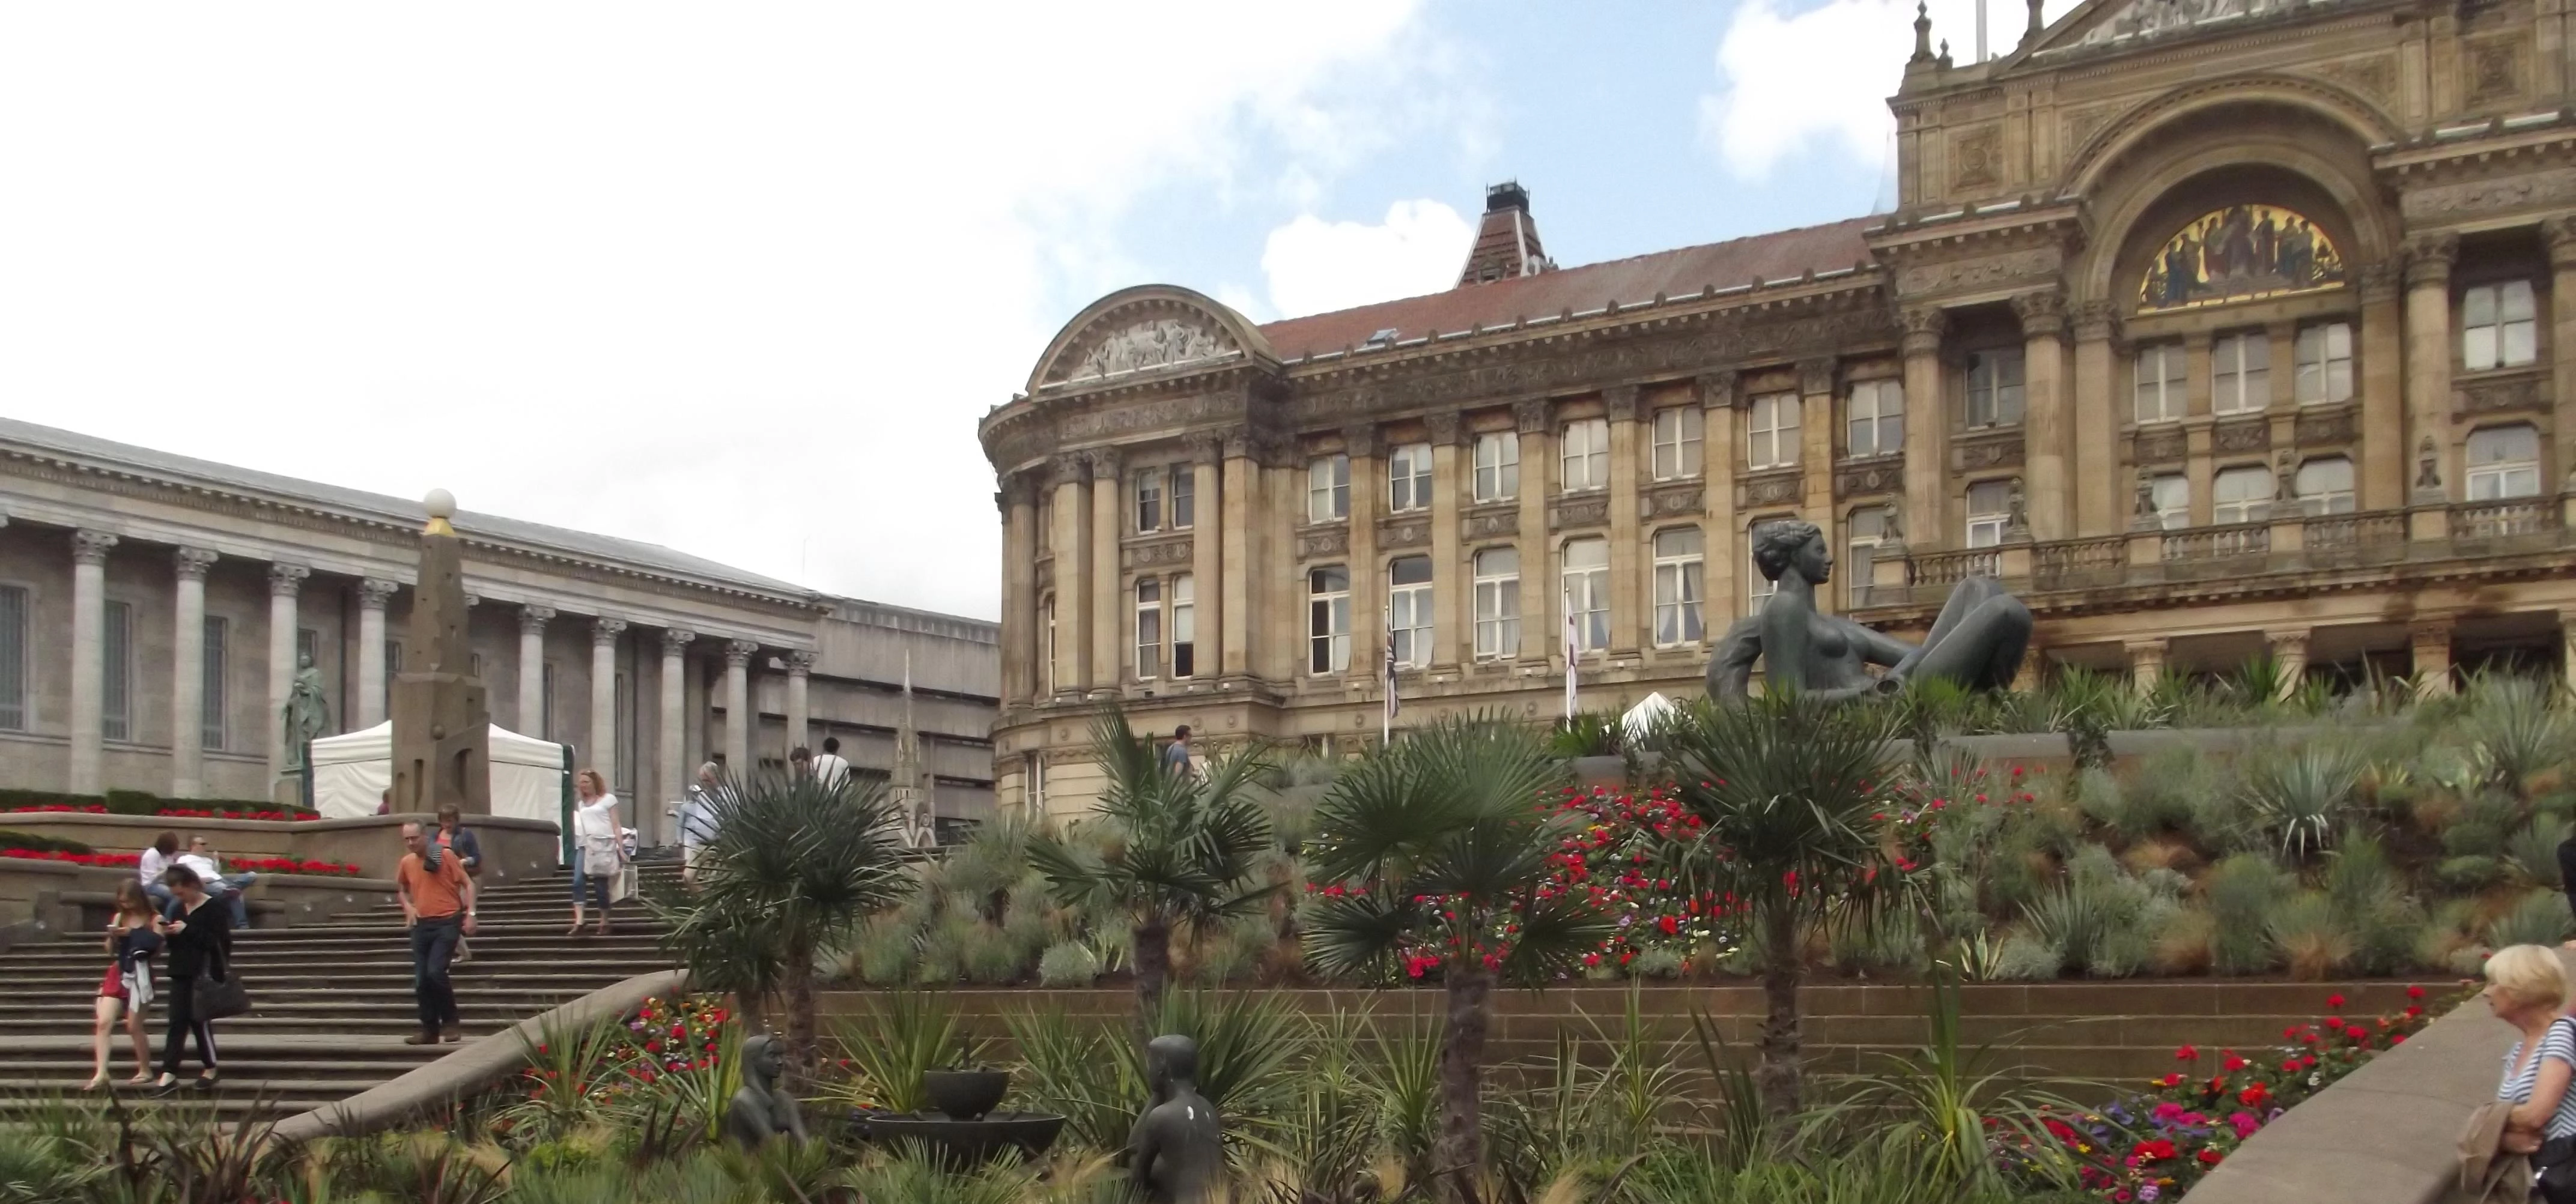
[(2556, 1160), (216, 997)]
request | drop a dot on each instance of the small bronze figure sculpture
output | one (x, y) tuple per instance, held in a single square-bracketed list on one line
[(307, 714), (1977, 641), (760, 1110), (1177, 1153)]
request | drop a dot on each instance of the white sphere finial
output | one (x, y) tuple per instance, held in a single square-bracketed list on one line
[(440, 503)]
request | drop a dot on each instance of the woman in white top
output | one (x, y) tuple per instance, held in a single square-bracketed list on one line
[(598, 846), (2527, 988)]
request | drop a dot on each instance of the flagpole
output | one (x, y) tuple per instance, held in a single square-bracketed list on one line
[(1570, 651), (1386, 676)]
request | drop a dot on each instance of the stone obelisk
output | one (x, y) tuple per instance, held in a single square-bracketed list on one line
[(442, 723)]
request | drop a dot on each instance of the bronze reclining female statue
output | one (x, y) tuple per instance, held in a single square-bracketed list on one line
[(1978, 641)]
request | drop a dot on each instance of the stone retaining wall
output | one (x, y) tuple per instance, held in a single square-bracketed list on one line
[(512, 848)]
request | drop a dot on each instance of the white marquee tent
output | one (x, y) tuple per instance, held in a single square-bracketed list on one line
[(531, 778)]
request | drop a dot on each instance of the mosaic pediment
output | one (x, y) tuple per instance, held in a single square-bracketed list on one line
[(2240, 253)]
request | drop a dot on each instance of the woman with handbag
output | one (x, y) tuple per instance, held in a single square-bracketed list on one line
[(598, 848), (127, 989), (2527, 988), (202, 989)]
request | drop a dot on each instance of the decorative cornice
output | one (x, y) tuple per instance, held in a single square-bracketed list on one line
[(287, 580), (192, 563), (533, 619)]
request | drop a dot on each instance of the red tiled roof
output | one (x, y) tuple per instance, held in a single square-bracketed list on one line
[(1779, 255)]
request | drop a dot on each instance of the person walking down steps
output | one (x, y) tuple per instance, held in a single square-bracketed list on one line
[(132, 937), (598, 849), (438, 906), (199, 940)]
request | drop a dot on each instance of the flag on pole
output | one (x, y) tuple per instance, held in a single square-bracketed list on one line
[(1572, 646), (1386, 675)]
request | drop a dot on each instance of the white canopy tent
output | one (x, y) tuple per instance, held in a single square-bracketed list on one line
[(1642, 718), (531, 778)]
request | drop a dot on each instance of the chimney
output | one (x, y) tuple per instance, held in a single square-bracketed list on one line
[(1507, 243)]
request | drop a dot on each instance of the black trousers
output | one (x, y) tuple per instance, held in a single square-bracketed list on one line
[(433, 946), (183, 1024), (2567, 871)]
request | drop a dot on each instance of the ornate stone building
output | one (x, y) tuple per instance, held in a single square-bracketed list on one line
[(2217, 328), (154, 610)]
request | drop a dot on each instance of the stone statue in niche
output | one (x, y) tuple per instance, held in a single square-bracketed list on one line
[(1977, 641), (760, 1110), (1177, 1152)]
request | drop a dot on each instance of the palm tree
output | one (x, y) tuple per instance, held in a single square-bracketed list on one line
[(796, 866), (1183, 849), (1785, 789), (1437, 853)]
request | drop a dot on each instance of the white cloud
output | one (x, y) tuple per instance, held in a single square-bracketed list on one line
[(1315, 266), (1817, 79), (739, 280)]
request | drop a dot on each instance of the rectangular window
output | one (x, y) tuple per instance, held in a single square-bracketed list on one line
[(2161, 383), (2325, 486), (1677, 439), (546, 702), (1498, 603), (1989, 511), (2240, 373), (2324, 353), (2170, 494), (13, 658), (393, 669), (1328, 488), (1679, 576), (1498, 466), (211, 721), (476, 661), (1587, 592), (1185, 487), (1875, 418), (116, 687), (2496, 326), (2504, 462), (1867, 529), (1149, 629), (1328, 620), (1995, 387), (1771, 438), (1408, 599), (1033, 772), (2241, 495), (1586, 458), (1149, 500), (1185, 627), (1046, 653), (1408, 478), (1757, 588)]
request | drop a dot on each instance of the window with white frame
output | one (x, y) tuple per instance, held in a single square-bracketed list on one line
[(1866, 530), (1995, 387), (1771, 433), (1046, 650), (1185, 482), (1408, 478), (2170, 494), (1498, 466), (2504, 462), (2241, 495), (2325, 486), (1587, 592), (1149, 628), (1677, 440), (1185, 627), (116, 687), (2240, 373), (1328, 620), (13, 658), (1328, 488), (2162, 382), (1033, 772), (1149, 499), (1989, 512), (1408, 602), (1875, 418), (211, 712), (2324, 355), (1680, 576), (1585, 461), (2497, 329), (1498, 603)]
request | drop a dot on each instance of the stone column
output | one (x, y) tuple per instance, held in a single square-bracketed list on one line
[(1453, 637), (2561, 233), (532, 670), (2428, 346), (1274, 620), (1927, 429), (2289, 648), (1719, 451), (188, 675), (1816, 461), (800, 672), (1072, 548), (1368, 593), (738, 705), (1535, 422), (602, 752), (2196, 426), (2430, 640), (1207, 554), (1242, 480), (2100, 498), (1108, 614), (89, 655), (373, 594), (1628, 617), (2567, 646), (2048, 429), (2146, 663), (673, 742), (285, 582), (1018, 499), (2380, 388)]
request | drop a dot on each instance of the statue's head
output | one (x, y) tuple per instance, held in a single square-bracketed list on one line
[(1170, 1059), (1792, 545), (304, 660), (762, 1059)]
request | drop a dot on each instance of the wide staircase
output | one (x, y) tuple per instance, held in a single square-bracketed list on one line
[(330, 1004)]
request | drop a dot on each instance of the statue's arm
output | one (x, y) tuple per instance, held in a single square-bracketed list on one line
[(1879, 648)]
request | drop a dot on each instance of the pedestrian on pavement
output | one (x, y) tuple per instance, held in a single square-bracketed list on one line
[(149, 867), (830, 769), (1176, 755), (200, 941), (132, 939), (598, 848), (696, 816), (800, 762), (438, 907), (201, 857), (455, 840)]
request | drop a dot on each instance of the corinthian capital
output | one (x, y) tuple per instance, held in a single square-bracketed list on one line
[(1068, 468), (1444, 428), (738, 653), (192, 563), (2042, 314), (287, 580), (606, 631), (533, 619), (2560, 234), (1816, 376), (2097, 320), (1360, 439), (1717, 390), (374, 592), (1531, 417), (676, 641), (2429, 258), (90, 547), (1923, 325), (1104, 463), (1620, 402)]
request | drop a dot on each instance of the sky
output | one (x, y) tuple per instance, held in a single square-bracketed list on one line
[(741, 279)]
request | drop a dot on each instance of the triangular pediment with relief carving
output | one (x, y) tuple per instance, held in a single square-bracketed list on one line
[(2104, 23), (1146, 339)]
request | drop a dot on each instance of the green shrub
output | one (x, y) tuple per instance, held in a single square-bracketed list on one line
[(2369, 899), (2311, 939), (943, 949), (2484, 825), (2025, 958), (2534, 851), (2471, 873), (990, 956), (886, 952), (2158, 798), (1658, 962), (2241, 891), (1068, 964), (29, 841), (2297, 800), (2540, 918)]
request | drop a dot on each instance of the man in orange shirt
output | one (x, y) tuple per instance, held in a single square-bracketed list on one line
[(438, 906)]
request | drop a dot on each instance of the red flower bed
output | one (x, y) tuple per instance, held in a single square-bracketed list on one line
[(166, 812), (238, 865)]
